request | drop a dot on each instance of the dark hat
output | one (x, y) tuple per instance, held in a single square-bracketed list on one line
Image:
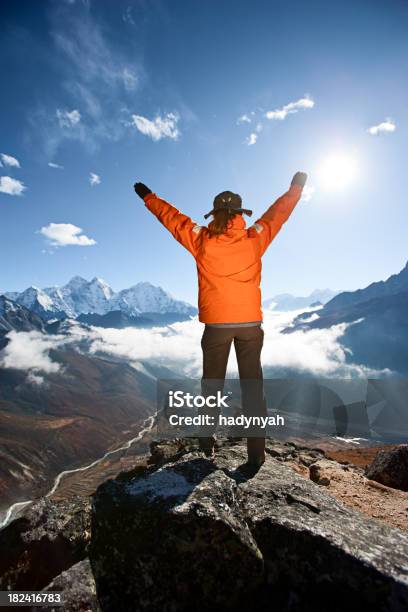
[(226, 200)]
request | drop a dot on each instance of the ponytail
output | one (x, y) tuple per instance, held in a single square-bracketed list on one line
[(220, 221)]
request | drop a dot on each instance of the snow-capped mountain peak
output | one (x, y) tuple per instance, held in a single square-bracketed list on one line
[(80, 296), (145, 297), (287, 301), (17, 317), (98, 284), (34, 299), (7, 305), (76, 282)]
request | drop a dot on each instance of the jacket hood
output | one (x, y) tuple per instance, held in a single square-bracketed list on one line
[(237, 222)]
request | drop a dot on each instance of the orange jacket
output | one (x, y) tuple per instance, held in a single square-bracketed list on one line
[(228, 265)]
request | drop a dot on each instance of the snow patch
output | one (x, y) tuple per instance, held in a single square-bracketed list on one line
[(351, 440), (161, 484)]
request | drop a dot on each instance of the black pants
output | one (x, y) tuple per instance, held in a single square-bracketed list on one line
[(216, 344), (248, 341)]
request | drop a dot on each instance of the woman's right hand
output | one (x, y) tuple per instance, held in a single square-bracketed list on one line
[(300, 178)]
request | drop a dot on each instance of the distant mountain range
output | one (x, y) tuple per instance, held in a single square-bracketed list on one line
[(397, 283), (140, 304), (94, 302), (81, 297), (287, 301), (378, 336)]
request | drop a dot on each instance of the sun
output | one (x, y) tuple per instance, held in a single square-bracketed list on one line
[(337, 171)]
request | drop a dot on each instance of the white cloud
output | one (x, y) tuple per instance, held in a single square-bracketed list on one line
[(130, 79), (177, 347), (244, 119), (251, 139), (54, 165), (127, 16), (63, 234), (316, 352), (9, 160), (160, 127), (253, 136), (94, 179), (307, 193), (11, 186), (68, 119), (30, 351), (288, 109), (35, 379), (92, 60), (386, 126), (98, 78)]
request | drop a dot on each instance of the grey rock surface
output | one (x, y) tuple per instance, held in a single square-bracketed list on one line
[(189, 534), (77, 587), (47, 539)]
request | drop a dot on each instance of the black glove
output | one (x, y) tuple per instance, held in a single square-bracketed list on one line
[(300, 178), (141, 190)]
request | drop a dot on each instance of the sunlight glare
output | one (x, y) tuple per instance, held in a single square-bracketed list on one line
[(337, 172)]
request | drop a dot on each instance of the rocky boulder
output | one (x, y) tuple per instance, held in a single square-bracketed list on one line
[(185, 533), (46, 540), (323, 471), (391, 468), (77, 586)]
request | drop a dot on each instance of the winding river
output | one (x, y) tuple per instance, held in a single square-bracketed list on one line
[(147, 426)]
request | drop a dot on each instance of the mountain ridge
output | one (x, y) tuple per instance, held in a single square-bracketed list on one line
[(81, 297), (376, 334), (396, 283), (287, 301)]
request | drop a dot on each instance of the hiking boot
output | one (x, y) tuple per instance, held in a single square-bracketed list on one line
[(207, 446), (248, 470), (256, 451)]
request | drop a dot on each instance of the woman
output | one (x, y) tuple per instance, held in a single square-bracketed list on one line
[(228, 257)]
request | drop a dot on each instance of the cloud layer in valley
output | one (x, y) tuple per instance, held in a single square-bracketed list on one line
[(30, 351), (316, 352)]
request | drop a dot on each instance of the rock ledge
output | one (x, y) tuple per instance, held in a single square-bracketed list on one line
[(186, 530)]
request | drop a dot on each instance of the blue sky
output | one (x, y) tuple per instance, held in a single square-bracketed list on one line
[(157, 91)]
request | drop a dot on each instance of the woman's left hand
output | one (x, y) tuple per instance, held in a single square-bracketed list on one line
[(141, 190)]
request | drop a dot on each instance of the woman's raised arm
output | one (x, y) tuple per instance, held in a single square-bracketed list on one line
[(184, 229)]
